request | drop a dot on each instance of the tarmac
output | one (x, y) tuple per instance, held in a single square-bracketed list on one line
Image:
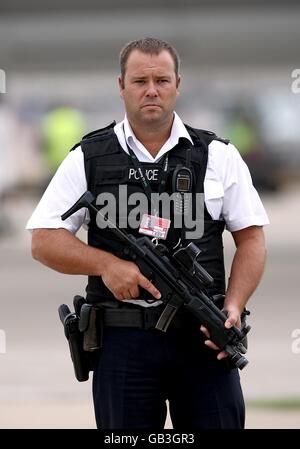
[(37, 385)]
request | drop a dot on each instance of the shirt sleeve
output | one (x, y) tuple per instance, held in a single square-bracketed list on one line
[(239, 203), (66, 186)]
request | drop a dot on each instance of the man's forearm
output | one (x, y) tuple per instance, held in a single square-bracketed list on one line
[(247, 269), (63, 252)]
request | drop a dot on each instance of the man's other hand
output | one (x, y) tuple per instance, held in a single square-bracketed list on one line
[(233, 319)]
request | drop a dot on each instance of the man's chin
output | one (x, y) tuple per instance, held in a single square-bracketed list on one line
[(152, 114)]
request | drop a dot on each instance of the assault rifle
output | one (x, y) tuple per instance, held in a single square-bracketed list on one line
[(182, 282)]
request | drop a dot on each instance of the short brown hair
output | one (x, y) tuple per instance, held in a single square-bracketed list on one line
[(148, 45)]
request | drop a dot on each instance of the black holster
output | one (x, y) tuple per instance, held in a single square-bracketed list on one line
[(82, 330), (91, 325)]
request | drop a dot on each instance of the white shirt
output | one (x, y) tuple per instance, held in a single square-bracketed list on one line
[(228, 189)]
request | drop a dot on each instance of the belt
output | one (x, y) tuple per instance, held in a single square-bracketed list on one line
[(143, 318)]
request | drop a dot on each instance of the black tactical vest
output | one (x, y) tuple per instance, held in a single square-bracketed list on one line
[(108, 166)]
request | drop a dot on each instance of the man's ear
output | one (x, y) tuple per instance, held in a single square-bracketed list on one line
[(178, 83), (121, 86)]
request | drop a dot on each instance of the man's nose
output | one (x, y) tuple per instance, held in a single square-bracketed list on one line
[(151, 89)]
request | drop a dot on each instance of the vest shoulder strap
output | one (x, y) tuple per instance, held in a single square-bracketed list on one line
[(100, 132), (205, 135), (96, 133)]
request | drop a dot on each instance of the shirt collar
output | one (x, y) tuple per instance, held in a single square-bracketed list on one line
[(178, 130)]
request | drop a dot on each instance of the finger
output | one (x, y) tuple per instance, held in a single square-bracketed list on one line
[(228, 324), (119, 296), (222, 355), (127, 295), (205, 331), (211, 345), (233, 319), (134, 292), (147, 285)]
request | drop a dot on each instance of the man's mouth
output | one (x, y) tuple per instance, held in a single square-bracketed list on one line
[(150, 105)]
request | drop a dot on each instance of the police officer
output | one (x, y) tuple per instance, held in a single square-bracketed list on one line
[(139, 368)]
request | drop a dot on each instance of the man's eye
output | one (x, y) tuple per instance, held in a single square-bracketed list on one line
[(139, 81)]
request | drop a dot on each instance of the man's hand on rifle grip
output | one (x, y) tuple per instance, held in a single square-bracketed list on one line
[(123, 278), (233, 319)]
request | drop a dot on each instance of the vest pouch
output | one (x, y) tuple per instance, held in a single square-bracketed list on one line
[(108, 177)]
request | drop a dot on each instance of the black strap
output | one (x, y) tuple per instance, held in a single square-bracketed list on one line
[(97, 132), (183, 228), (201, 140), (141, 317), (101, 131)]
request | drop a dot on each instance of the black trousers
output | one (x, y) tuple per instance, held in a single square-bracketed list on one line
[(138, 370)]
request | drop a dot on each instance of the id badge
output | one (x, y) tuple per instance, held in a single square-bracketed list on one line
[(154, 226)]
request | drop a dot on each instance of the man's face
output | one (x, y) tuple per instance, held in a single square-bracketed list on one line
[(150, 88)]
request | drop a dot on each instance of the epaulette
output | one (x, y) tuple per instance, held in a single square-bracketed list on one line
[(215, 137), (221, 139)]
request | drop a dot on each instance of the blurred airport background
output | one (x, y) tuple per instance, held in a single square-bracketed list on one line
[(60, 61)]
